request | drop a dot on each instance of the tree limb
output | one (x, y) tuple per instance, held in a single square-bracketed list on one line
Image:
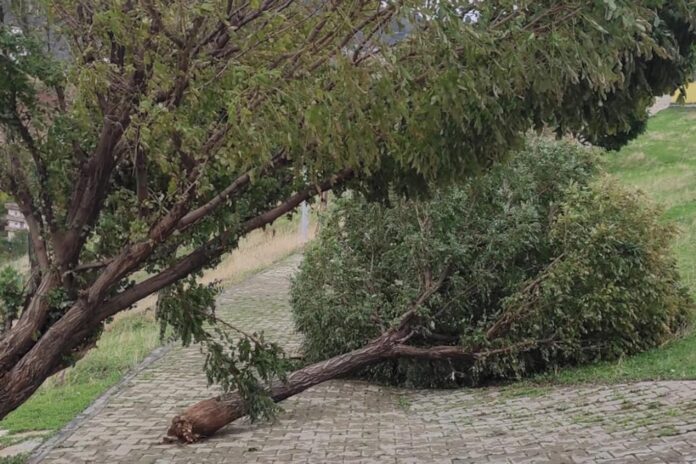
[(212, 249), (41, 172), (237, 185), (19, 187)]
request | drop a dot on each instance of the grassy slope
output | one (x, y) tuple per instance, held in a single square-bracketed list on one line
[(662, 163), (126, 342)]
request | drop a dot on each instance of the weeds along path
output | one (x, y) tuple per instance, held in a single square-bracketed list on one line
[(348, 421)]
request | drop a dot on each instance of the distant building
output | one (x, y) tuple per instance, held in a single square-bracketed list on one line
[(14, 221), (690, 95)]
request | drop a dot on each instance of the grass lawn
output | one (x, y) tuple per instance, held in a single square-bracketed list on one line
[(661, 163), (127, 341)]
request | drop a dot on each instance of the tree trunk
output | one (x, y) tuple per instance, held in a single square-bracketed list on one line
[(47, 356), (20, 339), (208, 416)]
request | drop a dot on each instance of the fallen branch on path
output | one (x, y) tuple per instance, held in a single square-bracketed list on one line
[(206, 417)]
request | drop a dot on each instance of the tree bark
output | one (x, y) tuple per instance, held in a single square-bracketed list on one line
[(46, 356), (20, 338), (208, 416)]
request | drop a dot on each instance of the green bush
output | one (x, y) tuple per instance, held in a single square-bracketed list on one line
[(13, 248), (11, 296), (576, 267)]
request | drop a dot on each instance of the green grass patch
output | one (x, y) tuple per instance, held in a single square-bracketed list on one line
[(18, 459), (124, 344), (404, 402), (662, 164), (673, 361), (668, 431)]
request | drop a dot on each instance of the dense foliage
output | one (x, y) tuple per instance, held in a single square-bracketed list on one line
[(13, 248), (544, 254), (145, 138), (11, 296)]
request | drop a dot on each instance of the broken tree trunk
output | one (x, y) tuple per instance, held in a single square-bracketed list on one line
[(206, 417)]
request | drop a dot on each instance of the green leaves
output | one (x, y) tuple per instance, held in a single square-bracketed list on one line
[(11, 295), (543, 252), (234, 359), (436, 102), (24, 68)]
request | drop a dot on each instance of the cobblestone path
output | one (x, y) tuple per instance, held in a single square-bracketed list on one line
[(354, 422)]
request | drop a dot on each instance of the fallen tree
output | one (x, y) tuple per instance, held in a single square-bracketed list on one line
[(206, 417), (542, 263), (147, 137)]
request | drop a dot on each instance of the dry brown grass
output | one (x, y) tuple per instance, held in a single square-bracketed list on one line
[(256, 251), (21, 265)]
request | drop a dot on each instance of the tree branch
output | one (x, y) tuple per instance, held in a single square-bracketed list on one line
[(430, 289), (460, 352), (212, 249), (41, 172), (237, 185), (19, 187), (92, 184)]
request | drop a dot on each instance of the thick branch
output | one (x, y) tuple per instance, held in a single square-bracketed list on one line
[(237, 185), (19, 187), (208, 416), (92, 183), (21, 337), (90, 189), (134, 254), (213, 248), (458, 352)]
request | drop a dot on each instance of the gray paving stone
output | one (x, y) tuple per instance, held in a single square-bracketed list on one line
[(354, 422)]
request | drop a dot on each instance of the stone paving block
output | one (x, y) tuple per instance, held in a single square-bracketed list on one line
[(355, 422)]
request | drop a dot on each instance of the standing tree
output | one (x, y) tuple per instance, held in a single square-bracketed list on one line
[(178, 126)]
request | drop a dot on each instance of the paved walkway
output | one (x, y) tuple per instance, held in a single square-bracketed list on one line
[(354, 422), (661, 103)]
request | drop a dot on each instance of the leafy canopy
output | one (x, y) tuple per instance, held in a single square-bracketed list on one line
[(547, 264), (151, 135)]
